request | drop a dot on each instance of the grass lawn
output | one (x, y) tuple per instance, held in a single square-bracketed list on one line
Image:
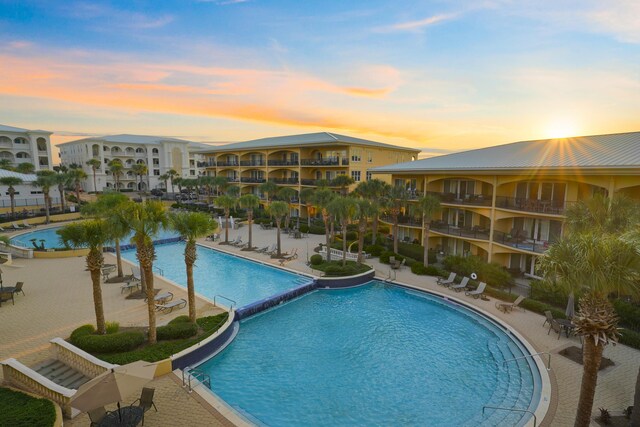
[(19, 409)]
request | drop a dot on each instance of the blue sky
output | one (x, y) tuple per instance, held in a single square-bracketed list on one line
[(440, 76)]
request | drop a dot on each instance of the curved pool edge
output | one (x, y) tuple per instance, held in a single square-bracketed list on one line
[(545, 389)]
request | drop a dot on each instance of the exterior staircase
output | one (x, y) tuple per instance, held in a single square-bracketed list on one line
[(61, 373)]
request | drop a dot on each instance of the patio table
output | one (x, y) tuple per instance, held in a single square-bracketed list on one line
[(128, 416)]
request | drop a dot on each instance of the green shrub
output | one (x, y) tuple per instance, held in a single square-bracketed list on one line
[(432, 270), (419, 269), (493, 274), (384, 256), (112, 327), (180, 319), (21, 410), (548, 292), (383, 229), (304, 228), (629, 314), (374, 250), (316, 229), (112, 343), (316, 259), (630, 338), (335, 268), (409, 261), (81, 331), (352, 235), (176, 331), (368, 239)]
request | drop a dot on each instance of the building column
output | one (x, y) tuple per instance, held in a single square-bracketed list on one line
[(34, 151)]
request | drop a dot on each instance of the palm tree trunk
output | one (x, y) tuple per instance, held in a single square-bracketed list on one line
[(12, 196), (119, 258), (425, 240), (250, 221), (226, 226), (395, 233), (97, 302), (362, 229), (374, 237), (344, 244), (77, 195), (278, 241), (189, 259), (47, 206), (333, 230), (61, 190), (95, 186), (327, 235), (146, 253), (635, 415), (592, 354)]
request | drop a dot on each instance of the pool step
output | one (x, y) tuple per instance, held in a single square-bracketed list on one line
[(61, 374)]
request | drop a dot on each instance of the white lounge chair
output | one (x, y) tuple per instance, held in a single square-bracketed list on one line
[(27, 225), (462, 285), (478, 292), (168, 307), (448, 281), (509, 306), (16, 226)]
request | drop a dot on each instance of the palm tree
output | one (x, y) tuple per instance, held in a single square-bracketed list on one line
[(426, 207), (46, 179), (595, 261), (321, 200), (219, 183), (278, 210), (172, 175), (61, 181), (92, 234), (305, 195), (227, 203), (178, 181), (76, 176), (233, 191), (366, 210), (6, 164), (112, 208), (342, 181), (139, 170), (269, 188), (26, 168), (373, 190), (191, 226), (286, 194), (116, 168), (94, 164), (165, 179), (145, 220), (344, 209), (249, 202), (11, 181), (395, 200)]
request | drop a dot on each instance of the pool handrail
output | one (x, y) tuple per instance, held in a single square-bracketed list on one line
[(531, 355), (233, 303), (535, 419)]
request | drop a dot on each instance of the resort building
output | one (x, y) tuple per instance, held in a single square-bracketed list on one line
[(160, 154), (26, 196), (507, 203), (19, 145), (299, 161)]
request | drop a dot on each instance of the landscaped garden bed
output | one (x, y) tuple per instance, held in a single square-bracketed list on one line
[(19, 409), (336, 269)]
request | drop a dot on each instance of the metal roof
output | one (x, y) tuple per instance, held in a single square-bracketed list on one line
[(318, 138), (130, 139), (24, 177), (5, 128), (619, 150)]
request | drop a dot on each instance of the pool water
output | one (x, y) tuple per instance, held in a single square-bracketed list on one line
[(217, 273), (52, 240), (373, 355)]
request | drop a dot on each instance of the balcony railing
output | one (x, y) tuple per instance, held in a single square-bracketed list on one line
[(532, 205), (250, 180), (320, 162), (227, 164), (253, 163), (469, 199), (475, 232), (284, 180), (519, 241), (232, 179), (201, 164), (283, 163)]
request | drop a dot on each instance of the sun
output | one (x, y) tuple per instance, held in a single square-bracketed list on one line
[(561, 128)]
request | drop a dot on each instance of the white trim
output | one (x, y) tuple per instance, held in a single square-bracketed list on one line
[(46, 382), (62, 343)]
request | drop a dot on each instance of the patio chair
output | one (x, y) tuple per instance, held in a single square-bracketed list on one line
[(273, 250), (6, 296), (397, 265), (97, 415), (16, 289), (16, 226), (168, 307), (161, 298), (478, 292), (548, 316), (130, 285), (463, 285), (509, 306), (235, 242), (145, 401), (25, 224), (448, 281)]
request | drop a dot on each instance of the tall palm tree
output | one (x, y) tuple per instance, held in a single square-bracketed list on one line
[(426, 207), (178, 180), (344, 209), (233, 191), (278, 210), (139, 170), (11, 181), (321, 200), (395, 200), (366, 211), (26, 168), (595, 261), (94, 164), (269, 188), (62, 180), (227, 203), (219, 183), (191, 226), (305, 196), (172, 175), (112, 207), (46, 179), (373, 190), (249, 202), (342, 181), (145, 221), (76, 176), (286, 194), (116, 168), (165, 179), (93, 234)]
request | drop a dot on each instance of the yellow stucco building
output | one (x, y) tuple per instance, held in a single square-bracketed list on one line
[(506, 203), (299, 161)]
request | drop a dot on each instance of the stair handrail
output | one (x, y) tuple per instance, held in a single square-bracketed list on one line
[(535, 419)]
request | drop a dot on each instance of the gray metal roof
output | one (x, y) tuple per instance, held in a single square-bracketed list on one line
[(24, 177), (130, 139), (620, 150), (5, 128), (317, 138)]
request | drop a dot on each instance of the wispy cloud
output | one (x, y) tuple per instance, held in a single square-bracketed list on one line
[(416, 26), (117, 18), (621, 18)]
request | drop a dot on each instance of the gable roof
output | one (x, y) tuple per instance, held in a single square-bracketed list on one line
[(129, 139), (619, 150), (317, 138)]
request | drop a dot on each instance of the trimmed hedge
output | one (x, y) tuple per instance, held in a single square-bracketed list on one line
[(21, 410), (336, 269), (493, 274), (630, 338), (415, 251), (84, 337), (352, 235), (177, 331), (316, 259), (629, 314), (316, 229), (374, 250), (430, 270), (384, 256)]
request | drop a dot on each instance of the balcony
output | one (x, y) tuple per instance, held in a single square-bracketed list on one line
[(290, 181), (232, 179), (283, 163), (320, 162), (469, 199), (532, 205), (518, 241), (475, 232), (253, 163), (227, 164), (201, 164), (250, 180)]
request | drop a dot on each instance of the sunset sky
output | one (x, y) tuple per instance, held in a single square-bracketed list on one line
[(441, 76)]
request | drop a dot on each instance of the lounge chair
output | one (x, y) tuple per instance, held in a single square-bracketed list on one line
[(25, 224), (448, 281), (289, 257), (16, 289), (146, 400), (135, 274), (130, 285), (162, 298), (213, 237), (273, 250), (97, 415), (478, 292), (262, 250), (168, 307), (463, 285), (235, 242), (6, 296), (549, 317), (397, 265), (106, 270), (509, 306), (16, 226)]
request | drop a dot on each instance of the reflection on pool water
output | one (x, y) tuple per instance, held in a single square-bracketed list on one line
[(52, 240), (217, 273), (373, 355)]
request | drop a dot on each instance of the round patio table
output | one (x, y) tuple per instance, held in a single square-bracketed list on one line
[(128, 416)]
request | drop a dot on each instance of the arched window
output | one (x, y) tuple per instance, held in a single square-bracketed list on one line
[(140, 150), (6, 155), (95, 150), (5, 140), (155, 151), (42, 144), (20, 140), (23, 155)]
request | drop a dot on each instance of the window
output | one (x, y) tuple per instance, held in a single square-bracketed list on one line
[(368, 176), (356, 155), (156, 172), (369, 157), (355, 175)]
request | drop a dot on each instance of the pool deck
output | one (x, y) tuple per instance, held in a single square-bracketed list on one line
[(58, 299)]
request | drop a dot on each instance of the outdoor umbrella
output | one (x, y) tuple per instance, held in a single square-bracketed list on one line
[(571, 309), (113, 386)]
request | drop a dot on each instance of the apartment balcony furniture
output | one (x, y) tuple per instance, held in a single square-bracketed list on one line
[(517, 239), (532, 205)]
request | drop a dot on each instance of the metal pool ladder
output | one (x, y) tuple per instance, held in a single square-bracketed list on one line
[(201, 377), (535, 420), (233, 303)]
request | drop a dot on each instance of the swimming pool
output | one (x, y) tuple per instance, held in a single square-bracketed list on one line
[(217, 273), (373, 355), (52, 240)]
